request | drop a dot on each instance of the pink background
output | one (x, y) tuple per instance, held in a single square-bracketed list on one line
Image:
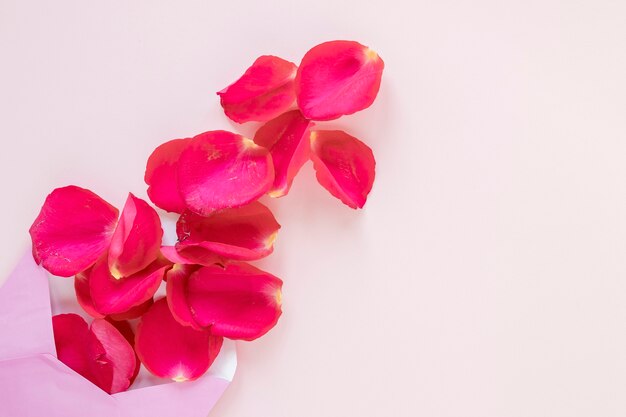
[(486, 276)]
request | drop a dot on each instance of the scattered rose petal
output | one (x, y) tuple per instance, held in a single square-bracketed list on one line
[(176, 290), (345, 166), (81, 287), (118, 352), (244, 233), (134, 312), (337, 78), (126, 330), (72, 230), (162, 178), (262, 93), (170, 350), (287, 139), (100, 353), (114, 296), (171, 254), (219, 169), (238, 301), (137, 238)]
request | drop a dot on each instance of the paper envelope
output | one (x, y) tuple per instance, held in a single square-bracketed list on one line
[(34, 383)]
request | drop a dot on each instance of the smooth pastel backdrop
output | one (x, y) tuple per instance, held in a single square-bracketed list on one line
[(486, 276)]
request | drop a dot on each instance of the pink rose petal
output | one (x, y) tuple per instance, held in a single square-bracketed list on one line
[(126, 330), (244, 233), (176, 290), (170, 350), (81, 286), (72, 230), (287, 139), (118, 351), (133, 313), (345, 166), (337, 78), (99, 353), (219, 169), (162, 178), (237, 302), (115, 296), (136, 242), (262, 93)]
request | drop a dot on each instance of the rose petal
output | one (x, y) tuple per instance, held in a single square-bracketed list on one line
[(118, 351), (345, 166), (78, 348), (286, 137), (99, 353), (171, 254), (136, 242), (237, 302), (114, 296), (262, 93), (72, 230), (126, 330), (134, 312), (176, 290), (244, 233), (170, 350), (337, 78), (219, 169), (81, 286), (162, 178)]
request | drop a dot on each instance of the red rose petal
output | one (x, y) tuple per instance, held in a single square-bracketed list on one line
[(171, 254), (114, 296), (237, 302), (118, 351), (219, 169), (162, 178), (81, 286), (244, 233), (176, 290), (262, 93), (99, 353), (134, 312), (78, 348), (345, 166), (126, 330), (170, 350), (287, 139), (136, 242), (337, 78), (72, 230)]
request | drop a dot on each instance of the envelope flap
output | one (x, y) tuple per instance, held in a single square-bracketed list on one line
[(25, 323)]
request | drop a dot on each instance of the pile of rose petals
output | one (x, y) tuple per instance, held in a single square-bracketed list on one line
[(214, 181)]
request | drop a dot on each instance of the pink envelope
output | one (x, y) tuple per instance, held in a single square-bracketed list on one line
[(34, 383)]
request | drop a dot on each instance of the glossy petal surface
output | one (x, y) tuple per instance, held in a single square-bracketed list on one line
[(262, 93), (136, 242), (170, 350), (115, 296), (287, 139), (72, 230), (219, 169), (162, 176), (244, 233), (237, 302), (344, 165), (337, 78)]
